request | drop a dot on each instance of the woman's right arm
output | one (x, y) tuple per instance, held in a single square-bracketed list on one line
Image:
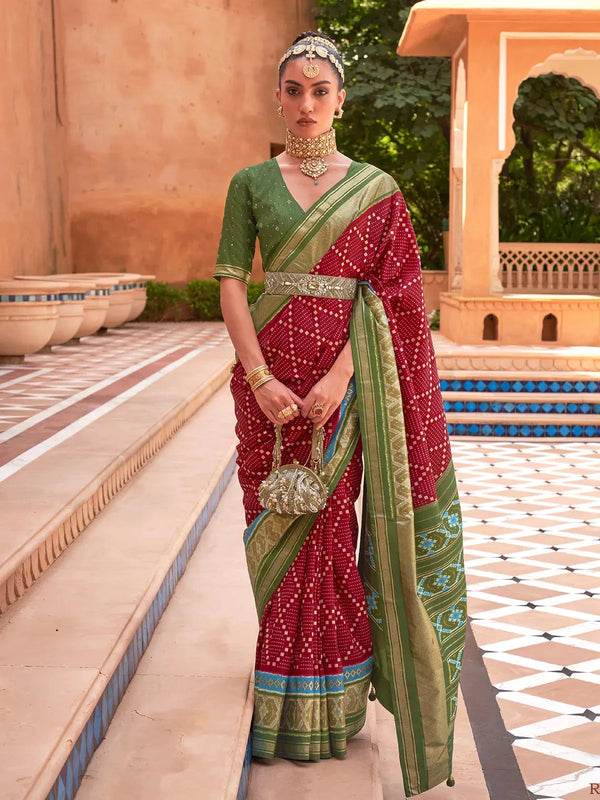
[(273, 395)]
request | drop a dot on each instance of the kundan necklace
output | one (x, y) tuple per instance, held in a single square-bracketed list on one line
[(311, 151)]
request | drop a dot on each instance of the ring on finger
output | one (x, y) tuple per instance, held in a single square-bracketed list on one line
[(288, 411), (317, 409)]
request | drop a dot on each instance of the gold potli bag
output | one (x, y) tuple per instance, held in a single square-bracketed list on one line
[(295, 488)]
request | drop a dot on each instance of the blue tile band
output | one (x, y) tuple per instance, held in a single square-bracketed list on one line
[(245, 778), (27, 298), (515, 430), (69, 779), (577, 406), (492, 385)]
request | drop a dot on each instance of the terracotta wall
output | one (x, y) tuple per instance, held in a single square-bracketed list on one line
[(167, 100), (435, 281), (34, 235)]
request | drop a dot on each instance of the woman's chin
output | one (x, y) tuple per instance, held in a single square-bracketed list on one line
[(308, 131)]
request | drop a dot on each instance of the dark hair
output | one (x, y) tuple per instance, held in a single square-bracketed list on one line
[(331, 49)]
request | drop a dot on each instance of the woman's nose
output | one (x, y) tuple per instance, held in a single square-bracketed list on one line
[(306, 104)]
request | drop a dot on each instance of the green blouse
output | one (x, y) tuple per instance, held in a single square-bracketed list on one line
[(258, 204)]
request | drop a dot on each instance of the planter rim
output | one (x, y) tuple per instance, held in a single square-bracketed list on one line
[(33, 287), (122, 277), (74, 286)]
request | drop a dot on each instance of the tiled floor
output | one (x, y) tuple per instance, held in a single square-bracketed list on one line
[(532, 546), (532, 537), (46, 379), (54, 394)]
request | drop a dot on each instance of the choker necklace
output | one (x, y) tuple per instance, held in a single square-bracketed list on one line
[(311, 151)]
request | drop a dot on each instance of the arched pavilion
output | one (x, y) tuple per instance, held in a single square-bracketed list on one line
[(494, 46)]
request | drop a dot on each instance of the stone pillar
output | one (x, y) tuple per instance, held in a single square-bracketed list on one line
[(456, 210), (495, 276), (480, 193)]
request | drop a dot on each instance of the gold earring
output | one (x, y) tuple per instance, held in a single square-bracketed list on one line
[(339, 113), (280, 111)]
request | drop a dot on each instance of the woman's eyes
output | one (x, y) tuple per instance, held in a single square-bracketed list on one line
[(319, 92)]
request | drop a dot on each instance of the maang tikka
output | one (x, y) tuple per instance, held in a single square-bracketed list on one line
[(314, 46)]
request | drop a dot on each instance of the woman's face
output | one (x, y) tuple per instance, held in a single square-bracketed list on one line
[(309, 103)]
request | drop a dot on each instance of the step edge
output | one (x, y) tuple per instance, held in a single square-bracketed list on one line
[(527, 418), (239, 775), (46, 783), (481, 363), (509, 397), (519, 375), (19, 572), (505, 439)]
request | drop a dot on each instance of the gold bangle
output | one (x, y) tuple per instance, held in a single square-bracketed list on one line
[(266, 378), (255, 371), (258, 377)]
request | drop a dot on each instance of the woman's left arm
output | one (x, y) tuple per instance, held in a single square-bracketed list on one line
[(330, 390)]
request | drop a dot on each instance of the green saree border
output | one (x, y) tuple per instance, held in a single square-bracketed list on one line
[(417, 628)]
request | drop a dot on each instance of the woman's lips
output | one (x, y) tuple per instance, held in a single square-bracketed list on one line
[(307, 122)]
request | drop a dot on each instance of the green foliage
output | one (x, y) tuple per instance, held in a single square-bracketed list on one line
[(197, 300), (397, 114), (550, 187), (162, 298), (204, 299), (434, 320)]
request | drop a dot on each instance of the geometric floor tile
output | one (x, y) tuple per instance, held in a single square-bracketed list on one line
[(531, 513)]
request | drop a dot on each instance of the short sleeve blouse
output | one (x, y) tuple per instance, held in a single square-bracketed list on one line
[(239, 231)]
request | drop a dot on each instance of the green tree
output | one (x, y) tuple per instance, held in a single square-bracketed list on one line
[(398, 110), (549, 186)]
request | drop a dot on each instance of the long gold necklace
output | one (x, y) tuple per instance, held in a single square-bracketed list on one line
[(312, 151)]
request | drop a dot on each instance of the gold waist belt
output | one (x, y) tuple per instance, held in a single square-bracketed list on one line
[(296, 283)]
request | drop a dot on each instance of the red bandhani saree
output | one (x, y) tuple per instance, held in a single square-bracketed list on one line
[(330, 627)]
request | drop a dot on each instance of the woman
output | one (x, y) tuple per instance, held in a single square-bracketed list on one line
[(348, 351)]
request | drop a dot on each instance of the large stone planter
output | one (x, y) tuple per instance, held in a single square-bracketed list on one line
[(122, 295), (71, 309), (96, 302), (139, 298), (28, 315)]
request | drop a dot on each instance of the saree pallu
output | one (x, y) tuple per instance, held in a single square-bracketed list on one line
[(330, 627)]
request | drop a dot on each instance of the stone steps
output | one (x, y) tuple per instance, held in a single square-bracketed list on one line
[(520, 399), (357, 777), (79, 469), (502, 358), (575, 383), (70, 646), (181, 730)]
